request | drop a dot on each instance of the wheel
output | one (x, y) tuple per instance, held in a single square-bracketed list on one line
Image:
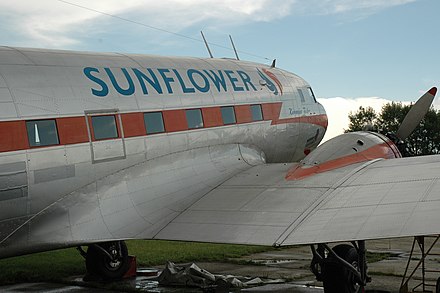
[(101, 265), (437, 286), (337, 278)]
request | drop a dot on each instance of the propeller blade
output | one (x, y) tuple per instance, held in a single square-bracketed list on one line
[(416, 114)]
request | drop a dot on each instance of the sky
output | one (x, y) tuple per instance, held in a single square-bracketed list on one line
[(352, 52)]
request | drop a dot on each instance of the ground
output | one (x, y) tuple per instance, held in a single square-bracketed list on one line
[(388, 259)]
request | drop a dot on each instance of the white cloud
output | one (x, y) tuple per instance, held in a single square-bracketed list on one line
[(344, 6), (338, 109), (51, 23)]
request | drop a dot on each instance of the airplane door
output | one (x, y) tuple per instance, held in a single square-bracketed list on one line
[(106, 135)]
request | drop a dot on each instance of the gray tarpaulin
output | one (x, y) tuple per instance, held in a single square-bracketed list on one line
[(191, 275)]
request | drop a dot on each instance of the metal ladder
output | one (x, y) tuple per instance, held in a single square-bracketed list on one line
[(421, 266)]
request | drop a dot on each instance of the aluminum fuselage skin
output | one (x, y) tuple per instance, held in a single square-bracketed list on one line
[(51, 196)]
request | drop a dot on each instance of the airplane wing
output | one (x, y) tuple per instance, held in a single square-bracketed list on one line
[(368, 200)]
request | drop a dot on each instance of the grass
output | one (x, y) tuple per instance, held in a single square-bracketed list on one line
[(45, 266), (54, 266), (376, 256), (150, 252)]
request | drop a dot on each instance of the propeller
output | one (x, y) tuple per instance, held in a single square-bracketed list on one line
[(415, 115)]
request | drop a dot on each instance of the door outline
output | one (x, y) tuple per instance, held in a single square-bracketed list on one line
[(120, 129)]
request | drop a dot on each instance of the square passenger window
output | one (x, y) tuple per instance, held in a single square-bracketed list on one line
[(104, 127), (154, 122), (257, 115), (228, 115), (42, 132), (194, 118)]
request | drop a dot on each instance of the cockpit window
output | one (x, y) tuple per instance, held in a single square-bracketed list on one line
[(301, 95), (312, 95)]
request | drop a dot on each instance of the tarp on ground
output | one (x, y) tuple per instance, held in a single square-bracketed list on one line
[(190, 275)]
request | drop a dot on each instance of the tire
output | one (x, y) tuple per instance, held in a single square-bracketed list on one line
[(437, 286), (338, 279), (100, 265)]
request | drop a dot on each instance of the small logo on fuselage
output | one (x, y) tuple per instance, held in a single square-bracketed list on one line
[(271, 80)]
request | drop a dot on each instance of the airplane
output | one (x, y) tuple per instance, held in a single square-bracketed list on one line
[(98, 148)]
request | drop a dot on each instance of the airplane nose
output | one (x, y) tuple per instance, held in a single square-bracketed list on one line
[(323, 115)]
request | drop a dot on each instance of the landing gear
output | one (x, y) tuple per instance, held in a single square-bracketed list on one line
[(107, 260), (342, 269)]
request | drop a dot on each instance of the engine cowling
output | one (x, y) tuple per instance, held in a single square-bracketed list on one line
[(344, 150)]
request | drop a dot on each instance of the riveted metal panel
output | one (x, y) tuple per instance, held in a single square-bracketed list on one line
[(8, 111), (13, 181), (3, 83), (110, 149), (5, 95), (55, 173), (12, 56), (8, 226)]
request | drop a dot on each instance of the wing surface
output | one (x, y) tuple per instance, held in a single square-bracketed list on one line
[(377, 199)]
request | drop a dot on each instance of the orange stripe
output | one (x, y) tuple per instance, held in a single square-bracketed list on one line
[(383, 150), (73, 130), (243, 113), (212, 117), (13, 136), (271, 111), (133, 124), (320, 120), (175, 120)]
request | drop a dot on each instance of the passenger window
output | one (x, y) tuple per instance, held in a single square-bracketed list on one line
[(42, 132), (301, 95), (228, 115), (312, 95), (154, 122), (104, 127), (257, 115), (194, 118)]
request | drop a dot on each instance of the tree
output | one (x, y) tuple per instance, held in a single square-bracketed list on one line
[(363, 117), (425, 140)]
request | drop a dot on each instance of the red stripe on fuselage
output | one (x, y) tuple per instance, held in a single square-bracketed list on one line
[(73, 130), (272, 112), (320, 120), (212, 117), (13, 136), (243, 114)]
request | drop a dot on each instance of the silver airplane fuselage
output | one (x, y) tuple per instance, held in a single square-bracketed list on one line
[(76, 134)]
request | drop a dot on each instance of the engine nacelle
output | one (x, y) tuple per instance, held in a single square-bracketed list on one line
[(343, 150)]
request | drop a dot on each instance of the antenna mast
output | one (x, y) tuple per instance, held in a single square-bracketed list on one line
[(233, 47), (206, 44)]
